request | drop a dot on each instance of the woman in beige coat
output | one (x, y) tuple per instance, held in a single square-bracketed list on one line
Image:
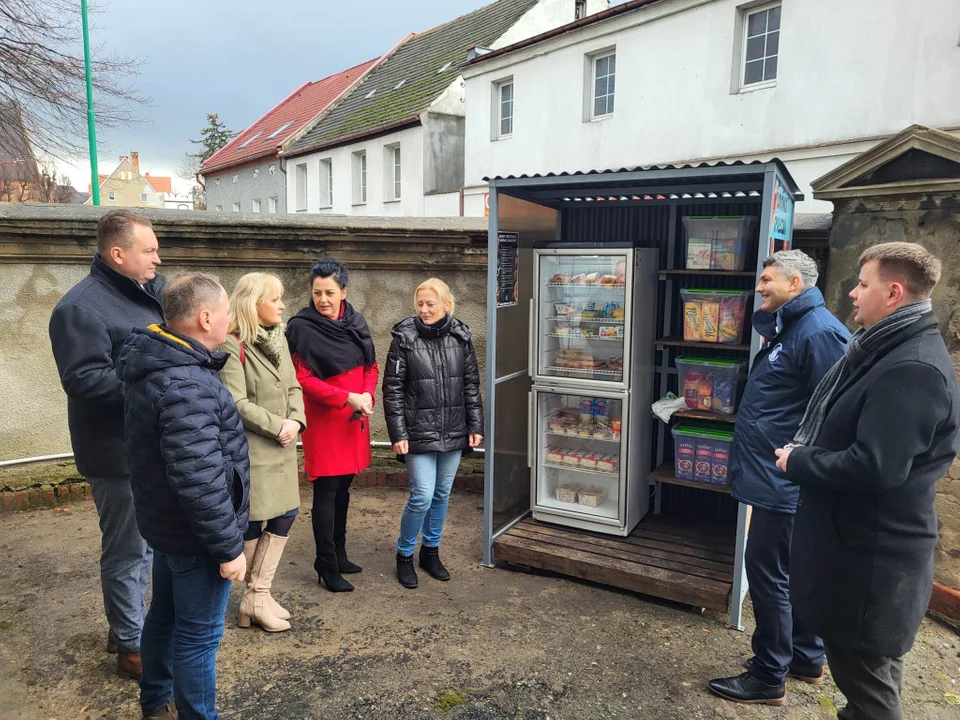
[(260, 376)]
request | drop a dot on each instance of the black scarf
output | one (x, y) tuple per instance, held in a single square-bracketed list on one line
[(331, 347), (432, 332)]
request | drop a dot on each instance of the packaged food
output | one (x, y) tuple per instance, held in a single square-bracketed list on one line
[(720, 463), (711, 321), (563, 309), (589, 462), (608, 331), (699, 252), (691, 387), (609, 280), (572, 457), (601, 411), (560, 279), (586, 410), (594, 497), (567, 493), (724, 394), (702, 453), (607, 463), (592, 278), (579, 279), (556, 424), (692, 320), (705, 392), (602, 433), (615, 364), (702, 466), (562, 330), (685, 451), (585, 430), (711, 383), (554, 455), (732, 312), (615, 427), (718, 242), (618, 313)]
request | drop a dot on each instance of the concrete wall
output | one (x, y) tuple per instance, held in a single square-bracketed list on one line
[(443, 154), (849, 73), (46, 250), (544, 15), (935, 224), (254, 182)]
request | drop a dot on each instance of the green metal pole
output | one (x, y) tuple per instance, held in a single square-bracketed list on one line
[(91, 117)]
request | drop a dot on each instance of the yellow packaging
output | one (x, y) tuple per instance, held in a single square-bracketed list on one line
[(692, 321), (709, 328)]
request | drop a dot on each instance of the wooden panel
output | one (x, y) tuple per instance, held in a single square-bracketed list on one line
[(690, 564), (680, 342), (715, 273), (665, 474), (705, 415)]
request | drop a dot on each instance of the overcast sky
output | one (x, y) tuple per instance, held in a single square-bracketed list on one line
[(238, 58)]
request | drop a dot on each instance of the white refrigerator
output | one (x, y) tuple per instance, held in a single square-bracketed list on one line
[(593, 323)]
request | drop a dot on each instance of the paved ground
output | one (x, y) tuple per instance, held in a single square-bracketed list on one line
[(490, 644)]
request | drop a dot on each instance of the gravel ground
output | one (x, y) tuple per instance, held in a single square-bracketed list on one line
[(491, 644)]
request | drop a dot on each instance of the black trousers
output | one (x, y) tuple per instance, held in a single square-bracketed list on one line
[(872, 685), (779, 641), (331, 500)]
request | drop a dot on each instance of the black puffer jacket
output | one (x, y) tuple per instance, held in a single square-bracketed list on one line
[(431, 387), (189, 468)]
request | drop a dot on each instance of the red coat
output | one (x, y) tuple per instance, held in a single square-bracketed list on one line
[(332, 444)]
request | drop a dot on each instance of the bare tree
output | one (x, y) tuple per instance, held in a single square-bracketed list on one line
[(42, 77)]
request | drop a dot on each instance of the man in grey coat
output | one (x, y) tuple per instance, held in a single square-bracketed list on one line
[(87, 330)]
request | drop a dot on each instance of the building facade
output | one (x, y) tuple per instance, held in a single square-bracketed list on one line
[(395, 143), (126, 187), (812, 82)]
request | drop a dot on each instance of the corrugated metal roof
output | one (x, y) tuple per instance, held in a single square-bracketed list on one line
[(612, 171)]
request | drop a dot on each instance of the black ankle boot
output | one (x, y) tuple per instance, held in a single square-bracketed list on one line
[(406, 573), (343, 562), (330, 577), (749, 690), (430, 561)]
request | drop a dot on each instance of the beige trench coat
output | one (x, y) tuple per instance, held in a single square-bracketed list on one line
[(265, 397)]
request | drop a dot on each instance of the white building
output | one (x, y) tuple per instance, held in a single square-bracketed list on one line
[(812, 82), (394, 144), (177, 201)]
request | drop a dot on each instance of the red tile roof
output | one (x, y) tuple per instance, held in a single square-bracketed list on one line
[(289, 117), (160, 184)]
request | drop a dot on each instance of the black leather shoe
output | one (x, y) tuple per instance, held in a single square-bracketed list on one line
[(748, 690), (430, 561), (343, 562), (812, 675), (406, 573)]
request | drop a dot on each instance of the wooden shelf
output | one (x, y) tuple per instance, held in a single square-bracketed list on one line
[(705, 415), (717, 273), (665, 474), (680, 342)]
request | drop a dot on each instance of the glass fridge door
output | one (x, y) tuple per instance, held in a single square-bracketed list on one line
[(580, 465), (583, 316)]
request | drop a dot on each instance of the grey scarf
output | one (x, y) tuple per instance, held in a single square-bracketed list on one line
[(271, 342), (863, 344)]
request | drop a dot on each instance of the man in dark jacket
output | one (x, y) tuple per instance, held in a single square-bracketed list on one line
[(803, 341), (881, 429), (190, 475), (87, 329)]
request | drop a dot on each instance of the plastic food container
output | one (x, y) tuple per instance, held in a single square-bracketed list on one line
[(567, 493), (711, 383), (593, 497), (702, 454), (717, 242), (714, 316)]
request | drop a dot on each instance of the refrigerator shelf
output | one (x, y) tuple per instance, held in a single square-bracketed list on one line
[(585, 337), (572, 318), (615, 441), (617, 288), (606, 509), (586, 371), (586, 471)]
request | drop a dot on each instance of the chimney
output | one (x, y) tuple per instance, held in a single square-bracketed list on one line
[(135, 161)]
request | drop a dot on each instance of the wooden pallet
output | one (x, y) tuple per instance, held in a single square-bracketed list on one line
[(690, 564)]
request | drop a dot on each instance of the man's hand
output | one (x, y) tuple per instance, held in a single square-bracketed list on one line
[(288, 432), (475, 440), (402, 447), (236, 569), (783, 455)]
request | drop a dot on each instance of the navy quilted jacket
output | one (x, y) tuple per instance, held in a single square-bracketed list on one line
[(188, 453)]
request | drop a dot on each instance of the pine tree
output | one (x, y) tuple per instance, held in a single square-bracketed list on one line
[(213, 137)]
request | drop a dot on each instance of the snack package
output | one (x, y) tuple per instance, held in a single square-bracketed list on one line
[(586, 411), (699, 253), (615, 427), (563, 309), (685, 447), (724, 254), (608, 331), (709, 329), (560, 279), (732, 311), (703, 463), (601, 411), (692, 320), (589, 462), (724, 394), (691, 388), (607, 464), (705, 393), (720, 464), (554, 455)]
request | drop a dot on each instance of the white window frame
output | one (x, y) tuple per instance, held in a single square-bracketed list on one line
[(326, 183), (300, 187), (144, 197), (359, 163), (397, 173), (272, 204), (218, 208), (579, 9), (255, 205), (111, 195), (741, 37), (392, 172), (236, 206), (498, 105), (610, 103)]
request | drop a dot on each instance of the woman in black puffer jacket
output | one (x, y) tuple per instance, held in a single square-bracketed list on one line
[(431, 401)]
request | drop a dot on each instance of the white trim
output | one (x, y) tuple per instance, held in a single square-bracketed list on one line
[(744, 15)]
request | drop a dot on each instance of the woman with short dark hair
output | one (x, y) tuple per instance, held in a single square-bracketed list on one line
[(336, 365)]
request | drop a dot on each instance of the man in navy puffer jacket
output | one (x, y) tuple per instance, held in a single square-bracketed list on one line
[(190, 476), (803, 342)]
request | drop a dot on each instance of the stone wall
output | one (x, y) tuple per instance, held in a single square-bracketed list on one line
[(934, 222), (45, 250)]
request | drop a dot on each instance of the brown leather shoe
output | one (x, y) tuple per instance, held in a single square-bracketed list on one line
[(128, 665), (167, 712)]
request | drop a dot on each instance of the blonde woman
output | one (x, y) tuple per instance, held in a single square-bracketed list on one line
[(260, 376), (432, 405)]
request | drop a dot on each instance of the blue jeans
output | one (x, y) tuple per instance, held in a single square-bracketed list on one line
[(125, 560), (181, 636), (431, 479)]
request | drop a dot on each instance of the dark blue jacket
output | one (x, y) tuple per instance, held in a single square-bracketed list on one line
[(87, 330), (804, 341), (189, 468)]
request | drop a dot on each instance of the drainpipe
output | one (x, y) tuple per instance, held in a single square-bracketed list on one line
[(461, 202)]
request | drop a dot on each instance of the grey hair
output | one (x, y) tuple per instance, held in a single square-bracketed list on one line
[(795, 262), (186, 295)]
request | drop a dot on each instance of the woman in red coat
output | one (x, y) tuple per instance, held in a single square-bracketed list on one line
[(336, 365)]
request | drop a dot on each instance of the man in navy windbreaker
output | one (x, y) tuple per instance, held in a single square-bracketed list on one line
[(803, 342)]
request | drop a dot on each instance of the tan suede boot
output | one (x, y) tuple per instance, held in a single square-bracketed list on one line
[(249, 548), (255, 605)]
